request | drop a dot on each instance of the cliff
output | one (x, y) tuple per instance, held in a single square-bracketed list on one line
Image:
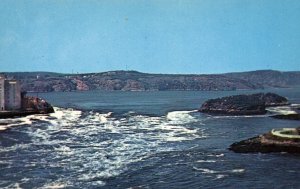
[(136, 81)]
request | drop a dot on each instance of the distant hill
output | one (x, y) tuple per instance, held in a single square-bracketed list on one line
[(137, 81), (269, 78)]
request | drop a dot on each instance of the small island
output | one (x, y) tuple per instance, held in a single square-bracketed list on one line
[(253, 104), (14, 103)]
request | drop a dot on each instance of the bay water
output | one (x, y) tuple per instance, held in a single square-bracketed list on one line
[(151, 139)]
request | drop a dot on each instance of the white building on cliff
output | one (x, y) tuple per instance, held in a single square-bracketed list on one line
[(10, 94)]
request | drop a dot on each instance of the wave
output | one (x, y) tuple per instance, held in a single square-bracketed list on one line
[(12, 122), (283, 110), (218, 174), (64, 117), (55, 185), (206, 161), (210, 171), (181, 117)]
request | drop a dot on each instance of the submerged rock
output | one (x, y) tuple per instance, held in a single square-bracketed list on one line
[(285, 140), (253, 104)]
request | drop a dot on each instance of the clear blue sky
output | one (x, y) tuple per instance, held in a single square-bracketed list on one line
[(162, 36)]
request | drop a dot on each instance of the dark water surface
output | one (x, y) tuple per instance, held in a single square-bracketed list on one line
[(141, 140)]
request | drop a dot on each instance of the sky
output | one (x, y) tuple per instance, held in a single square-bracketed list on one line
[(153, 36)]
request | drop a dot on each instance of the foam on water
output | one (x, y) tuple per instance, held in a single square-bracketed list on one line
[(237, 170), (94, 146), (181, 117), (205, 171), (284, 110), (55, 185), (295, 105), (218, 174), (7, 123), (65, 117), (216, 155), (13, 186), (206, 161), (3, 127), (15, 147)]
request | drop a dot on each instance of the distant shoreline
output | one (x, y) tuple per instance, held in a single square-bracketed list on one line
[(137, 81), (44, 92)]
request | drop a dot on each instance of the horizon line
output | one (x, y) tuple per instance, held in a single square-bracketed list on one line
[(81, 73)]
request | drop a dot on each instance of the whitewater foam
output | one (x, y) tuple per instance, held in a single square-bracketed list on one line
[(216, 155), (181, 117), (283, 110), (13, 122), (206, 171), (97, 146), (237, 170), (206, 161), (55, 185), (218, 174)]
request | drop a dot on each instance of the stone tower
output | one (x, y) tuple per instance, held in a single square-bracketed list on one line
[(12, 95)]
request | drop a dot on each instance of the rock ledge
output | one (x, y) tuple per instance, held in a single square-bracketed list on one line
[(284, 140)]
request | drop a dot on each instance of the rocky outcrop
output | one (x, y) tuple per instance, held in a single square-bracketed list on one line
[(30, 106), (36, 105), (269, 142), (253, 104), (81, 85)]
